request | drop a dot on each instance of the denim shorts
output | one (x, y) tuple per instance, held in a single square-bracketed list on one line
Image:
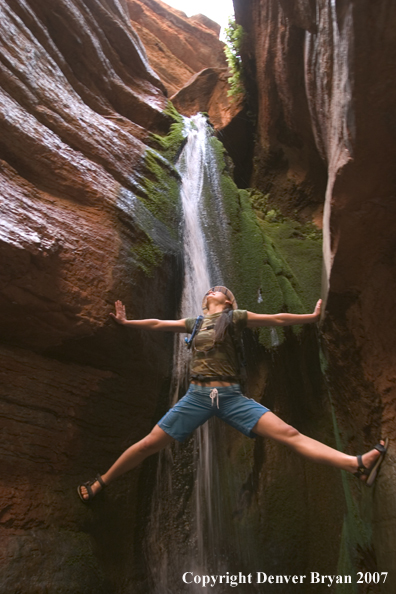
[(201, 403)]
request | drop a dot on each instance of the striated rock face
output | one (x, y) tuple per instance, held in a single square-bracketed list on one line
[(177, 46), (78, 98), (86, 207), (287, 163), (189, 58), (321, 78)]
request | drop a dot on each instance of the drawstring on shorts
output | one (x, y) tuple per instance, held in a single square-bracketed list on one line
[(214, 395)]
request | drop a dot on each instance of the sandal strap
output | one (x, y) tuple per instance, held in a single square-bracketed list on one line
[(362, 470), (361, 466), (87, 485), (381, 449), (100, 481)]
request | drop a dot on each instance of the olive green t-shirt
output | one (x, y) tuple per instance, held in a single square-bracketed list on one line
[(211, 360)]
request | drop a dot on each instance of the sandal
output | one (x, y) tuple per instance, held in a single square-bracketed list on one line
[(88, 485), (372, 472)]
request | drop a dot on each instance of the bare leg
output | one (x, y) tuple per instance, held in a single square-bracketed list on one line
[(134, 455), (269, 425)]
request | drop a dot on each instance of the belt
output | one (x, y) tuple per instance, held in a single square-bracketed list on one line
[(220, 378)]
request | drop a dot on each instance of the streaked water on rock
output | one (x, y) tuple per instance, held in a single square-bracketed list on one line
[(190, 510)]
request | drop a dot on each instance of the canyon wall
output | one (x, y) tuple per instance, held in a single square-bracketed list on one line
[(177, 46), (80, 227), (321, 79), (188, 56), (90, 213)]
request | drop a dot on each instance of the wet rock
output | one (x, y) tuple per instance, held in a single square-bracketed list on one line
[(78, 101), (321, 79), (208, 92)]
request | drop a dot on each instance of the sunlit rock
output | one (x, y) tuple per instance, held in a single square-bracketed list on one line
[(177, 46)]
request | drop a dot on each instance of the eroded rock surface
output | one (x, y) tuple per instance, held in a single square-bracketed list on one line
[(189, 58), (177, 46), (321, 79), (78, 99)]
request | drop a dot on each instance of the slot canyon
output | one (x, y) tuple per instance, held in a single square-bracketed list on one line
[(295, 182)]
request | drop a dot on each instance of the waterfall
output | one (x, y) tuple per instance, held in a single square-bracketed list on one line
[(185, 529), (191, 166)]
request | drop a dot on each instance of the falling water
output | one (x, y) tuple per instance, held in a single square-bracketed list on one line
[(191, 166), (185, 526)]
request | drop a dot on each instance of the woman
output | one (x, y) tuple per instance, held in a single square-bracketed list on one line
[(214, 390)]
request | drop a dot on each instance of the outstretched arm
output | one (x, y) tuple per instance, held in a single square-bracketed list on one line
[(283, 319), (150, 324)]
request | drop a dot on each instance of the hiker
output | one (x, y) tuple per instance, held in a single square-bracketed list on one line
[(215, 390)]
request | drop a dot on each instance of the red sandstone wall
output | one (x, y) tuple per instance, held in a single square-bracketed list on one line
[(77, 99), (177, 46), (189, 58), (321, 78)]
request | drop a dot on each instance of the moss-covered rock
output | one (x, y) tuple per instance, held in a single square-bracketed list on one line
[(171, 144), (158, 190), (159, 185), (274, 265)]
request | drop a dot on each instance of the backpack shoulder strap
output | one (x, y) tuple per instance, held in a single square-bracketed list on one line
[(197, 326)]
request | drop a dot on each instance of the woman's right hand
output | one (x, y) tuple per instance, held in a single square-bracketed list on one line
[(120, 314)]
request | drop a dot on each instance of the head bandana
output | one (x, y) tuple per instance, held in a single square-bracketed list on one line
[(226, 292)]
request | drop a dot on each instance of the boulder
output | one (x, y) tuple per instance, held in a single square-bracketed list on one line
[(207, 91)]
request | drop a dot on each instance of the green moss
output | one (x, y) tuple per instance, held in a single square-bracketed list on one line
[(159, 182), (357, 527), (172, 112), (300, 245), (169, 145), (148, 256), (159, 187), (302, 250), (275, 266), (234, 40)]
